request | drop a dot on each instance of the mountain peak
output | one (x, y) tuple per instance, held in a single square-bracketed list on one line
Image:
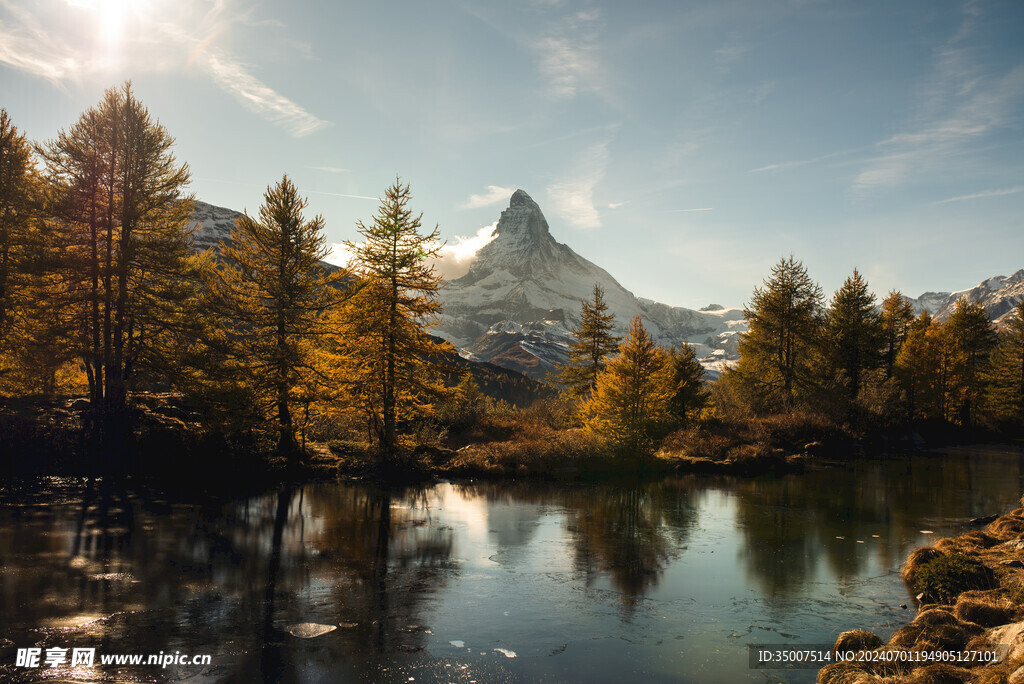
[(522, 219), (520, 197)]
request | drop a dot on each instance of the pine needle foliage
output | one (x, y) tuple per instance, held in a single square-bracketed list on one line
[(689, 393), (392, 367), (853, 331), (120, 218), (896, 316), (1005, 378), (777, 353), (594, 343), (631, 398), (276, 295)]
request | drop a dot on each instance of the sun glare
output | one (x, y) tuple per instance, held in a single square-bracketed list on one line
[(111, 16)]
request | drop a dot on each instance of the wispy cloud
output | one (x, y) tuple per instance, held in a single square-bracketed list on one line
[(573, 197), (35, 42), (783, 166), (494, 195), (258, 97), (452, 261), (960, 104), (568, 54), (455, 259), (686, 211), (328, 169), (983, 194), (616, 205)]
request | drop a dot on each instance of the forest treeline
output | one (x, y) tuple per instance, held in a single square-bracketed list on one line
[(265, 348), (102, 292)]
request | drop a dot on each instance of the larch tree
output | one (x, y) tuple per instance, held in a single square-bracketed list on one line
[(631, 398), (897, 314), (853, 331), (16, 169), (594, 343), (1005, 378), (971, 339), (117, 198), (784, 323), (392, 365), (277, 295), (689, 394)]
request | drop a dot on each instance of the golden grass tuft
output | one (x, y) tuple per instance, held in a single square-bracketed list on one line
[(939, 673), (858, 640), (985, 608)]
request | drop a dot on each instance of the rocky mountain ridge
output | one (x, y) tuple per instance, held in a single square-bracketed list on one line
[(517, 305)]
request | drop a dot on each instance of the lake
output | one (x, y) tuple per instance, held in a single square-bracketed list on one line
[(662, 581)]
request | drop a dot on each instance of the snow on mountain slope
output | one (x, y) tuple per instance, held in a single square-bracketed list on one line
[(213, 224), (999, 296), (521, 298)]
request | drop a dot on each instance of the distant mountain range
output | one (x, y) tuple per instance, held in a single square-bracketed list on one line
[(999, 295), (517, 305)]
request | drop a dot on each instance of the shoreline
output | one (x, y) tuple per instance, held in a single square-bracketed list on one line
[(970, 594)]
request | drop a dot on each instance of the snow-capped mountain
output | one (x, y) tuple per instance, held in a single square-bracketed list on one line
[(521, 298), (212, 225), (999, 296)]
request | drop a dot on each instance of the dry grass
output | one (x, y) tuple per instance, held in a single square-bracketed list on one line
[(857, 640), (540, 451)]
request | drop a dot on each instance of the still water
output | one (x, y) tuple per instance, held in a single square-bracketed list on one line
[(477, 582)]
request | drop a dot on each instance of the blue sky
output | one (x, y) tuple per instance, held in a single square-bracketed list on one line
[(683, 146)]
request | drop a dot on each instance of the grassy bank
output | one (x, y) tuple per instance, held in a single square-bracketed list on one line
[(971, 591)]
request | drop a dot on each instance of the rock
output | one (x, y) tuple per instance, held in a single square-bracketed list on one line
[(309, 630), (1009, 637), (1017, 677), (903, 606)]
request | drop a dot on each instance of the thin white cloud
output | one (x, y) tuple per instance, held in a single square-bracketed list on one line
[(452, 261), (34, 42), (616, 205), (256, 96), (686, 211), (341, 194), (782, 166), (328, 169), (494, 195), (984, 194), (572, 198), (960, 104), (568, 55)]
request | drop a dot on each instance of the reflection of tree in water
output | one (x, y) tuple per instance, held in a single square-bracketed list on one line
[(628, 532), (198, 577), (791, 526)]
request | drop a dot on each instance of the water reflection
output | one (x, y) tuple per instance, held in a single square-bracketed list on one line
[(125, 569)]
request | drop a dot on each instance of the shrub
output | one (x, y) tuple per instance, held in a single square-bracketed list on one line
[(947, 576)]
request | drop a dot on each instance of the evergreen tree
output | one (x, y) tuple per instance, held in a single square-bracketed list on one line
[(1005, 379), (594, 342), (689, 393), (128, 271), (276, 295), (630, 401), (853, 330), (16, 170), (784, 324), (897, 315), (971, 339), (392, 365), (921, 368)]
